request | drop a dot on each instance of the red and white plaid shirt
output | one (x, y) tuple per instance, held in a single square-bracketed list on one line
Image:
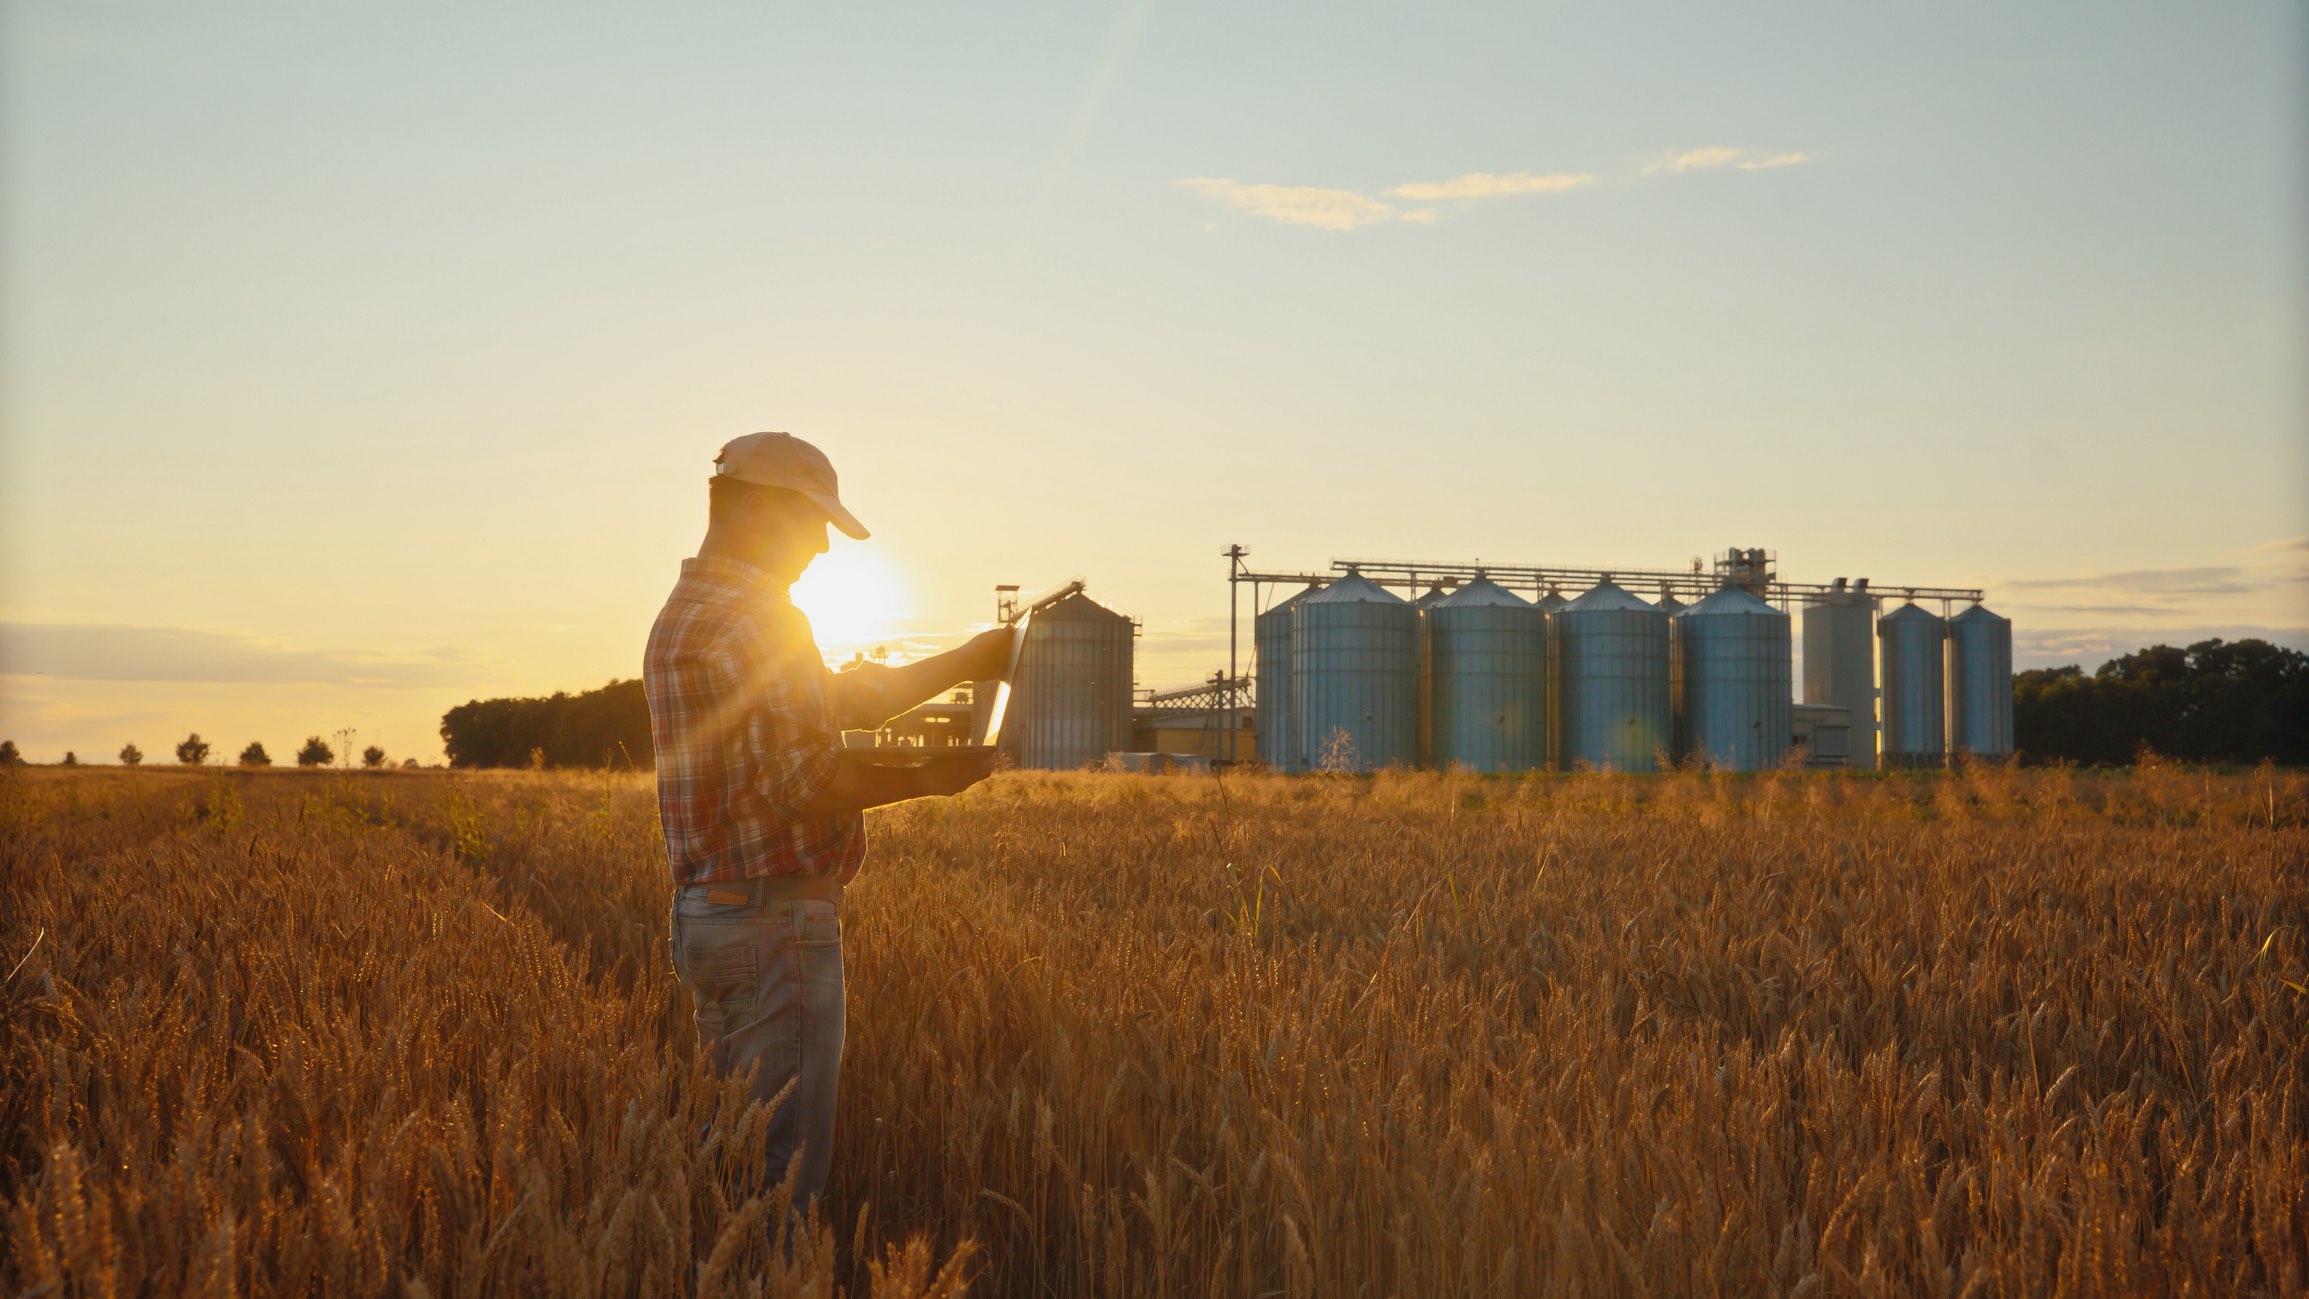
[(748, 724)]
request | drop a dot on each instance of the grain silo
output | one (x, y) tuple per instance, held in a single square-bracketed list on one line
[(1979, 684), (1607, 666), (1487, 651), (1671, 606), (1271, 635), (1909, 650), (1071, 703), (1840, 661), (1553, 600), (1732, 682), (1354, 677)]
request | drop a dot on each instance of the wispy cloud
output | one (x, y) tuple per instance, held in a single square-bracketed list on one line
[(91, 652), (1303, 205), (1483, 184), (1718, 155), (2225, 579), (1346, 209)]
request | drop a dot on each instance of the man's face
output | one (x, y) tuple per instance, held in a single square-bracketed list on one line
[(784, 532)]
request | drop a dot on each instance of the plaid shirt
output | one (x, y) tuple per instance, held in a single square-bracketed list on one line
[(747, 723)]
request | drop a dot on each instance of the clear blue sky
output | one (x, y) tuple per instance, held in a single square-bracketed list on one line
[(360, 358)]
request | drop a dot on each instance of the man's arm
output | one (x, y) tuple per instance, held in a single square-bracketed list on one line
[(858, 785), (872, 693)]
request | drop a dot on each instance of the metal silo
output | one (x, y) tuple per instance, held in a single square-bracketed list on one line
[(1553, 600), (1908, 642), (1840, 661), (1424, 749), (1734, 682), (1980, 684), (1607, 671), (1487, 649), (1355, 677), (1671, 606), (1271, 633), (1071, 703)]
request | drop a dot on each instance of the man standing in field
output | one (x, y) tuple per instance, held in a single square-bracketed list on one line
[(762, 806)]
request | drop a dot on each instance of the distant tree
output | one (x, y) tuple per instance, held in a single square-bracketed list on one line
[(8, 755), (372, 757), (316, 752), (408, 764), (608, 727), (255, 755), (193, 751), (2216, 701), (71, 759), (130, 755)]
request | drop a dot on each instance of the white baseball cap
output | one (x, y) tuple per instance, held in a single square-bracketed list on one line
[(783, 460)]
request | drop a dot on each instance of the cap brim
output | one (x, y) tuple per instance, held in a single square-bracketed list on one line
[(839, 517)]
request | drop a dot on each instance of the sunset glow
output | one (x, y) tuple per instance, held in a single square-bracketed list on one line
[(855, 600)]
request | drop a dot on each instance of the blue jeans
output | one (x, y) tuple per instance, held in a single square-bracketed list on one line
[(765, 981)]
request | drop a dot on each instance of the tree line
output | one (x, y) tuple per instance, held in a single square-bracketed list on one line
[(608, 727), (193, 751), (2215, 701)]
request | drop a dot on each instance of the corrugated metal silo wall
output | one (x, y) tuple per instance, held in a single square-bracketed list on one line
[(1278, 746), (1733, 676), (1489, 683), (1979, 684), (1840, 665), (1072, 699), (1608, 687), (1354, 685), (1915, 721)]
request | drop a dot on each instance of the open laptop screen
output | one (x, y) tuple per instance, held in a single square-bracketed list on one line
[(989, 720)]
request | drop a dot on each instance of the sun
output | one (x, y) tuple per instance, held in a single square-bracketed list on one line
[(855, 600)]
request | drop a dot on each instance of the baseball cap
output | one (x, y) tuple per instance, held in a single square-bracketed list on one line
[(783, 460)]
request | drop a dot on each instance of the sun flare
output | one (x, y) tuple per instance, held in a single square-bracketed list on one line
[(855, 601)]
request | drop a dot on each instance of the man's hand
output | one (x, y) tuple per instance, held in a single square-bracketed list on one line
[(951, 773)]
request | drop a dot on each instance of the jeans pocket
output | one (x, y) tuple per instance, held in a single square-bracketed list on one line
[(818, 924)]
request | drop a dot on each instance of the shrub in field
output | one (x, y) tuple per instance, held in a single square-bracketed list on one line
[(130, 755), (316, 753), (192, 750), (372, 757), (255, 756), (9, 757)]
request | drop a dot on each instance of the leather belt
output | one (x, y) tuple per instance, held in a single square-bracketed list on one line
[(774, 888)]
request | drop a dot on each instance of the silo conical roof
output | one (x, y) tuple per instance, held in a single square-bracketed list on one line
[(1731, 600), (1483, 593), (1607, 595), (1292, 599), (1979, 613), (1908, 612), (1354, 588)]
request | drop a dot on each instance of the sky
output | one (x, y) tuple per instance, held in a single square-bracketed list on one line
[(359, 359)]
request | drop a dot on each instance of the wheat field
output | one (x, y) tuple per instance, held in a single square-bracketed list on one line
[(1980, 1032)]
